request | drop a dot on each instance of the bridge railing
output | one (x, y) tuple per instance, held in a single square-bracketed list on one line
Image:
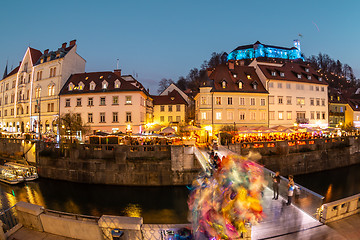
[(304, 198), (204, 162), (340, 209)]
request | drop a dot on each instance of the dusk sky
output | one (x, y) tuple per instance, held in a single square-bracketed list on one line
[(165, 39)]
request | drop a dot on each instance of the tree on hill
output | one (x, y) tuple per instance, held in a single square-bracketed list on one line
[(163, 84)]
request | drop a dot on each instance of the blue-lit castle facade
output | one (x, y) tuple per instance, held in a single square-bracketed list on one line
[(258, 50)]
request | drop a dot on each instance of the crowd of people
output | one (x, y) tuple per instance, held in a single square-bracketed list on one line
[(245, 138)]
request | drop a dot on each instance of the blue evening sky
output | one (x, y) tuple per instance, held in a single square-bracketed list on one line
[(165, 39)]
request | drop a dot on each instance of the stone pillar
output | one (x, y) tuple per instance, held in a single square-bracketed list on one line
[(29, 215), (177, 157)]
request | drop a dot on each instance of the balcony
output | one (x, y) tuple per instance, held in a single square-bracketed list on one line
[(302, 120)]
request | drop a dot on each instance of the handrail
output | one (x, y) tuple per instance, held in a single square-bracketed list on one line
[(76, 216)]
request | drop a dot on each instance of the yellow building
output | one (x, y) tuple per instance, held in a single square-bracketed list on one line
[(337, 109), (233, 95), (169, 109), (352, 110)]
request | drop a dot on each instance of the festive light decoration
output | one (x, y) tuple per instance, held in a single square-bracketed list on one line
[(223, 205)]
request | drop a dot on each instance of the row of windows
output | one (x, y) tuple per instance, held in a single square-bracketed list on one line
[(298, 86), (170, 108), (253, 115), (219, 101), (170, 119), (299, 100), (115, 117), (40, 73), (288, 115), (90, 102), (104, 85)]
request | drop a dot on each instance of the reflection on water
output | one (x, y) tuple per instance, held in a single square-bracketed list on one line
[(154, 204), (333, 184)]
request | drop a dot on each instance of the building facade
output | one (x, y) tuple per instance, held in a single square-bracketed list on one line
[(30, 93), (337, 108), (170, 108), (106, 101), (233, 95), (297, 93)]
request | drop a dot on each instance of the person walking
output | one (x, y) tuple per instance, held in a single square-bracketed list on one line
[(291, 186), (276, 184)]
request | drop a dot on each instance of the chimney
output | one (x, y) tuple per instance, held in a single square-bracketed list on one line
[(46, 51), (63, 45), (73, 42), (117, 72), (231, 64)]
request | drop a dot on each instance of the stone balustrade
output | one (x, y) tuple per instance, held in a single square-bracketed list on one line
[(340, 209)]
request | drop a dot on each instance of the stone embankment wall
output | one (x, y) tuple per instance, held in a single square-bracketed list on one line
[(304, 156), (155, 165)]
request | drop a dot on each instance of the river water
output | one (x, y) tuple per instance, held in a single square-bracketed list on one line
[(154, 204)]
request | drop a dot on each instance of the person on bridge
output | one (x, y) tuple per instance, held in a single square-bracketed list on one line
[(276, 184), (291, 186)]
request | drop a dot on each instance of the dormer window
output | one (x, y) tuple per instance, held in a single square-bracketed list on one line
[(273, 73), (92, 86), (309, 77), (338, 98), (320, 79), (248, 76), (282, 74), (235, 75), (223, 84), (104, 84), (57, 54), (306, 70), (240, 83), (357, 106), (71, 86), (117, 83), (81, 86), (86, 78), (299, 76), (254, 84)]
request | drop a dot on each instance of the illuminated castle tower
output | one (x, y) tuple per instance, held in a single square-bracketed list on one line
[(297, 44)]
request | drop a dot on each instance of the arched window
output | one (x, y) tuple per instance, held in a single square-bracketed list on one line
[(117, 83), (223, 84), (104, 84), (92, 85), (6, 99), (81, 86), (240, 84), (51, 72), (37, 92), (71, 86), (51, 90)]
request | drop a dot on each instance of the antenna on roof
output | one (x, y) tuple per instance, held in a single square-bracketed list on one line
[(117, 63)]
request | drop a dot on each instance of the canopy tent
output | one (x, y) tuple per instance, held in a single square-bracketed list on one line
[(191, 128), (168, 130)]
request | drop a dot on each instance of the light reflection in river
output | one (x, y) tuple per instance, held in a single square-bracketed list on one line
[(154, 204)]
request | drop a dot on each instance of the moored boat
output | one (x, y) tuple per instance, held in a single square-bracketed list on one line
[(28, 172), (9, 175)]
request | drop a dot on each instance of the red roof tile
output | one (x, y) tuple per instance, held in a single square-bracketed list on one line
[(232, 77), (98, 78), (172, 98), (291, 71), (35, 55)]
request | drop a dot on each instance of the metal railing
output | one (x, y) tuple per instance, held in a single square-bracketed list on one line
[(9, 218), (204, 162), (72, 215)]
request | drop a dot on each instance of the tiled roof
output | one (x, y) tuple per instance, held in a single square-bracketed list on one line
[(265, 45), (172, 98), (35, 55), (60, 53), (354, 104), (335, 96), (98, 78), (291, 71), (14, 71), (232, 77)]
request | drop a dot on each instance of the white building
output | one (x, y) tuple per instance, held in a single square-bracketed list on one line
[(107, 101), (297, 93), (30, 91)]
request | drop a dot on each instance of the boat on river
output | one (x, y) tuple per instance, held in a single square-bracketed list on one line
[(9, 175), (28, 172)]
